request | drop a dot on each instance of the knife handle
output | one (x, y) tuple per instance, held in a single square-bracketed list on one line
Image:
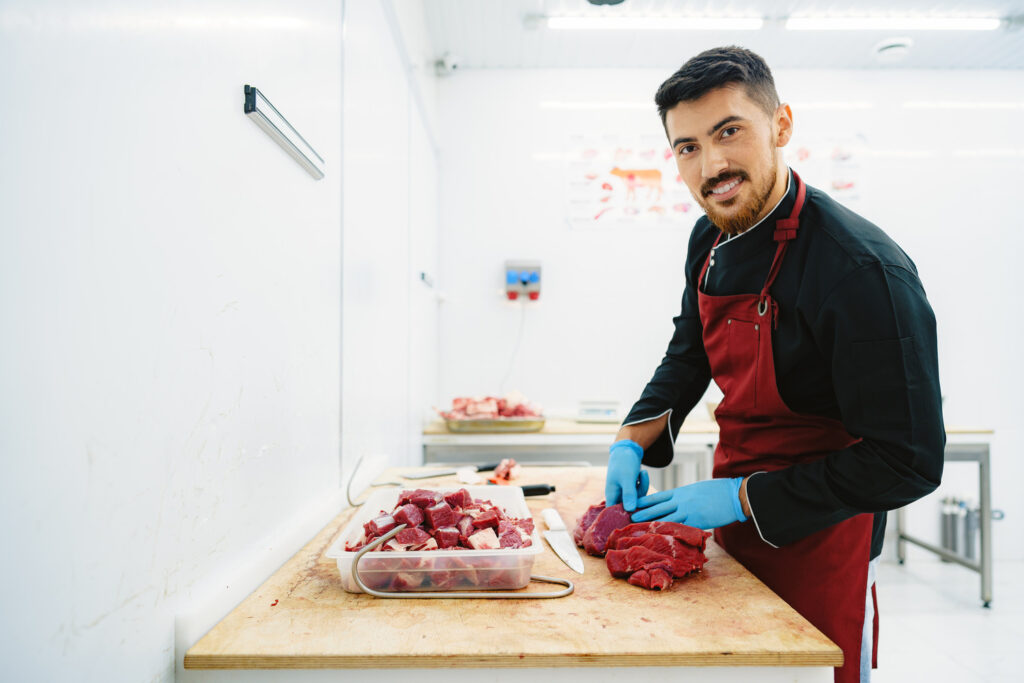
[(487, 468), (537, 489), (553, 519)]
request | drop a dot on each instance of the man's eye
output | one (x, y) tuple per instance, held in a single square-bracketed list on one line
[(685, 149), (732, 130)]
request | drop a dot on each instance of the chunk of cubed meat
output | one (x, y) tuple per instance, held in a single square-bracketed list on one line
[(584, 522), (511, 539), (429, 544), (425, 499), (406, 496), (458, 499), (465, 526), (380, 526), (525, 524), (684, 533), (439, 515), (610, 519), (485, 539), (508, 469), (409, 514), (487, 519), (447, 537), (412, 536), (407, 580)]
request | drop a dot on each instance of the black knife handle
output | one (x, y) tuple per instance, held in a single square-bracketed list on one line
[(487, 468), (537, 489)]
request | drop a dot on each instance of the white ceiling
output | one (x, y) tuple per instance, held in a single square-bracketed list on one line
[(493, 34)]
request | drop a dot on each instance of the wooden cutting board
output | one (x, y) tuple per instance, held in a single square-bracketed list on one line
[(301, 618)]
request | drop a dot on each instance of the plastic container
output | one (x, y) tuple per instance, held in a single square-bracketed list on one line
[(438, 570)]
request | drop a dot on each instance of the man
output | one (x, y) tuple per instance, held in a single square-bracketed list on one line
[(814, 324)]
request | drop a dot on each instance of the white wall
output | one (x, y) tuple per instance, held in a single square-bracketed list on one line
[(390, 234), (609, 293), (169, 301)]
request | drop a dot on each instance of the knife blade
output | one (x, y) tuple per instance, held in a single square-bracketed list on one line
[(445, 472), (560, 541)]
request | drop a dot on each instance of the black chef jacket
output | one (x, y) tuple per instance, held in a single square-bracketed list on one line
[(855, 342)]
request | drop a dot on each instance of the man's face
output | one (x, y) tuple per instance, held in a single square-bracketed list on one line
[(726, 148)]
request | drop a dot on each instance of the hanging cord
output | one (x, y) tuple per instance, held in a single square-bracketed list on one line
[(515, 350), (352, 478)]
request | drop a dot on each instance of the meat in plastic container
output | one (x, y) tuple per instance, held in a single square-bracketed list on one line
[(450, 569)]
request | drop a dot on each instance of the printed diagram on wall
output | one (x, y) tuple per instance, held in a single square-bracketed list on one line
[(619, 179), (833, 164)]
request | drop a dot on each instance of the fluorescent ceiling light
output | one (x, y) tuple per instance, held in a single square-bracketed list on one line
[(962, 105), (656, 23), (804, 106), (886, 23), (597, 105), (266, 116)]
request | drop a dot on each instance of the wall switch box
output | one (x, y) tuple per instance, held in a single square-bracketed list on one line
[(522, 280)]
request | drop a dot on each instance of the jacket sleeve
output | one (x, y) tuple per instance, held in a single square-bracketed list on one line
[(877, 332), (684, 373)]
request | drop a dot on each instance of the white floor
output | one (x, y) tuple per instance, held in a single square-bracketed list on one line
[(933, 627)]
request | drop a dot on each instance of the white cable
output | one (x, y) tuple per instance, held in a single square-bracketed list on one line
[(515, 350)]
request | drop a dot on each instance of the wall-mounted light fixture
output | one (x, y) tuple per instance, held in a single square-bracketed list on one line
[(266, 116)]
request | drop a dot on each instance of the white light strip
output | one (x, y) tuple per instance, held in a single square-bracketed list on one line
[(266, 116), (962, 105), (988, 153), (804, 106), (883, 23), (656, 23), (597, 105)]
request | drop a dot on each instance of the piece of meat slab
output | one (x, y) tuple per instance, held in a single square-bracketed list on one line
[(685, 533), (662, 544), (622, 563), (610, 519), (657, 579), (409, 514), (584, 522)]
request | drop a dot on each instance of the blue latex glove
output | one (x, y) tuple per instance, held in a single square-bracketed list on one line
[(705, 505), (625, 482)]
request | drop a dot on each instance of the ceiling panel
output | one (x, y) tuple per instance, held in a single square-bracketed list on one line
[(494, 34)]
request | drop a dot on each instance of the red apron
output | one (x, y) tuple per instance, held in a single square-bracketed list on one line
[(822, 576)]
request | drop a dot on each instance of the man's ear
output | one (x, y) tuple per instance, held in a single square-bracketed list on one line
[(784, 125)]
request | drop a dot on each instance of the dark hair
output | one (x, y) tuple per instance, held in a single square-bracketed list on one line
[(713, 69)]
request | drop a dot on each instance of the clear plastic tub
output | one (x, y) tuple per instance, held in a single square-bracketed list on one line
[(438, 570)]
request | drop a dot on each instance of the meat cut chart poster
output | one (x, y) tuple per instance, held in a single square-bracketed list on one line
[(625, 180)]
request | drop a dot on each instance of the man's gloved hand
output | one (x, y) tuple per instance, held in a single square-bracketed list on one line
[(625, 482), (705, 505)]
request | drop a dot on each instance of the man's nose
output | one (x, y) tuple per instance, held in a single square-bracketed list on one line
[(714, 162)]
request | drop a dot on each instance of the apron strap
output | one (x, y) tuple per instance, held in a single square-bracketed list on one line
[(785, 230)]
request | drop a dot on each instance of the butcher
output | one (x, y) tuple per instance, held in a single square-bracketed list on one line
[(815, 325)]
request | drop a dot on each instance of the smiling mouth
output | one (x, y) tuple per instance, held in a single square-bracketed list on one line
[(725, 190)]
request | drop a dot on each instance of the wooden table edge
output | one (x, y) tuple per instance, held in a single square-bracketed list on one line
[(512, 661)]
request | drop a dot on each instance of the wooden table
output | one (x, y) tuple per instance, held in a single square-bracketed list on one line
[(300, 618)]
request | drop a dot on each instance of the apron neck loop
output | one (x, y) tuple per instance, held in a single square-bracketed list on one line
[(785, 228)]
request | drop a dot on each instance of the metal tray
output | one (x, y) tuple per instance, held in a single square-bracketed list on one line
[(505, 424)]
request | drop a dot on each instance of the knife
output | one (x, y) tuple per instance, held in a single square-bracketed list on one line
[(558, 538), (453, 470)]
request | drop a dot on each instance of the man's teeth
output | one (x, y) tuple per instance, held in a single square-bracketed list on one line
[(725, 188)]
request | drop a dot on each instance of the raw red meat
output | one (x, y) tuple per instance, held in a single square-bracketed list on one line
[(458, 499), (412, 536), (439, 515), (683, 532), (490, 407), (447, 537), (648, 554), (610, 519), (584, 522), (409, 514), (380, 526), (507, 470), (486, 519)]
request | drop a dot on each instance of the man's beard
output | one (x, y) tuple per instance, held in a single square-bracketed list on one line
[(745, 218)]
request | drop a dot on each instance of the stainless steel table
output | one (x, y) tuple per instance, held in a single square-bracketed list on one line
[(958, 450)]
